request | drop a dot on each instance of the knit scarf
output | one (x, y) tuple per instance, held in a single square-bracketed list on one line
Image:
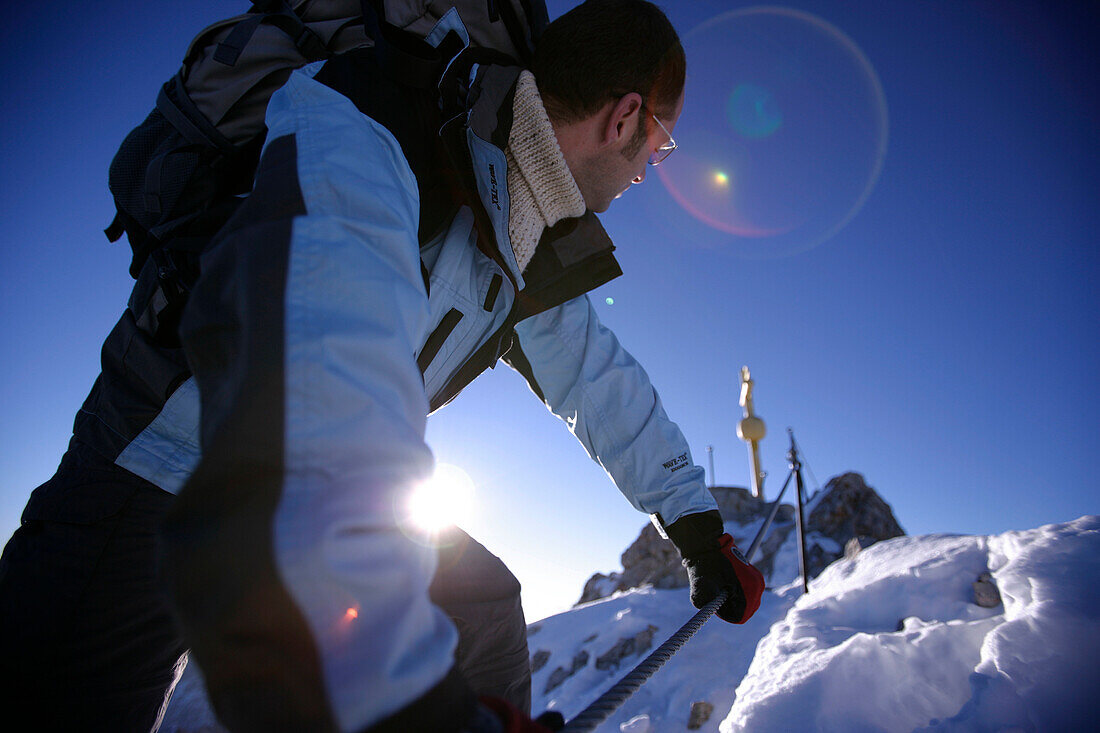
[(541, 188)]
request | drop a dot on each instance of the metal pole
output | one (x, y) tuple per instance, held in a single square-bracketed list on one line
[(610, 701), (768, 522), (796, 471), (710, 461)]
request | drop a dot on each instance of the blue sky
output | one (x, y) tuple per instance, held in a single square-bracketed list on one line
[(943, 342)]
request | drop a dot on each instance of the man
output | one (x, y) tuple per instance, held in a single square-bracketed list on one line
[(371, 273)]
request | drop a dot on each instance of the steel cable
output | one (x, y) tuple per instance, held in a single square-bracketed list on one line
[(617, 694), (609, 702)]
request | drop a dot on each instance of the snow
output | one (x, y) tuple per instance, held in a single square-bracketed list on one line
[(839, 651), (889, 640)]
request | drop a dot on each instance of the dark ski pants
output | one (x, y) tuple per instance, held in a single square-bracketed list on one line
[(480, 594), (88, 640)]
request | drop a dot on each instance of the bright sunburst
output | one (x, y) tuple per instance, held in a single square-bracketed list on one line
[(446, 498)]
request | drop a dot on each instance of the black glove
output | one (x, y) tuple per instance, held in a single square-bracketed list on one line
[(713, 562)]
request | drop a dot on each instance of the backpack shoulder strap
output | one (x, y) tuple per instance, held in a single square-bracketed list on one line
[(272, 12), (174, 103)]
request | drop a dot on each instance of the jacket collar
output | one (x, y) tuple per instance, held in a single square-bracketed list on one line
[(574, 244)]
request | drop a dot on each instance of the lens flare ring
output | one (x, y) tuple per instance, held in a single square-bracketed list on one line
[(786, 142)]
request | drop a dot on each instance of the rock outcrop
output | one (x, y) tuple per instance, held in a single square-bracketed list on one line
[(561, 674), (700, 713), (849, 508), (628, 646), (846, 514), (986, 593)]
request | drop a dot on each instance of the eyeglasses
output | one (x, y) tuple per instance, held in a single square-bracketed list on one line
[(658, 155), (665, 150)]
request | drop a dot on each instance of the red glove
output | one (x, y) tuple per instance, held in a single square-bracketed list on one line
[(511, 718), (714, 563), (750, 583)]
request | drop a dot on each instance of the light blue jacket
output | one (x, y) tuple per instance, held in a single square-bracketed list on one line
[(304, 334)]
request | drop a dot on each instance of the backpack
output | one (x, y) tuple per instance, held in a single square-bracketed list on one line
[(180, 174)]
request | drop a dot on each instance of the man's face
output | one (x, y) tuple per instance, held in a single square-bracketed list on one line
[(625, 165)]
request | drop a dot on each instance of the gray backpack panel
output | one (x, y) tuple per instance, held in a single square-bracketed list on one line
[(178, 176)]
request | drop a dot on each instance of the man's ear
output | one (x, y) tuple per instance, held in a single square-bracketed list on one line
[(623, 119)]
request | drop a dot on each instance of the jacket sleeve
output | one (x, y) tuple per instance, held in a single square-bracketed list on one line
[(302, 594), (590, 381)]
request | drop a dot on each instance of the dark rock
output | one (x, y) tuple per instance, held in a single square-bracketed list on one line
[(650, 560), (849, 508), (986, 593), (561, 674), (857, 543), (653, 560), (600, 586), (700, 713), (626, 647), (737, 504), (539, 660)]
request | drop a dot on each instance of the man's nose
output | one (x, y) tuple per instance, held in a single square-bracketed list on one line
[(639, 178)]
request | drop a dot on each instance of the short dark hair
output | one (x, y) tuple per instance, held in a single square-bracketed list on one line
[(603, 49)]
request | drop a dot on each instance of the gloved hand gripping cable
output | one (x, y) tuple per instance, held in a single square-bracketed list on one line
[(722, 581)]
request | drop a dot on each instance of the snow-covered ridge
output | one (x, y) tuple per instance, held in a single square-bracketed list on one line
[(889, 640)]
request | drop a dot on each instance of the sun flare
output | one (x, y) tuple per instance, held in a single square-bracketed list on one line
[(446, 498)]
